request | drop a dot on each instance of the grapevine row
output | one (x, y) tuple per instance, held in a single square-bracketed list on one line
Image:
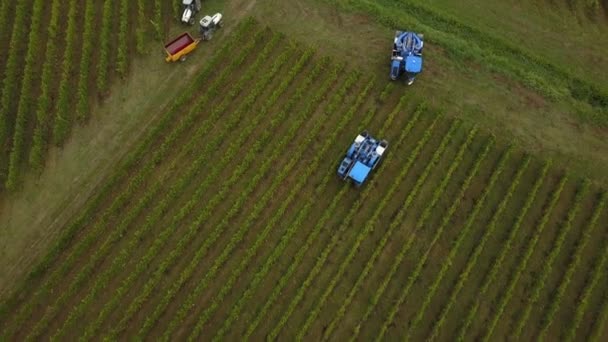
[(372, 111), (472, 261), (277, 251), (158, 17), (395, 222), (548, 262), (261, 237), (277, 289), (134, 157), (211, 175), (11, 78), (327, 214), (142, 265), (257, 210), (201, 103), (146, 169), (600, 322), (406, 247), (596, 274), (295, 190), (335, 237), (63, 115), (119, 231), (43, 106), (88, 34), (5, 11), (249, 158), (572, 266), (447, 263), (85, 273), (102, 279), (161, 207), (69, 37), (250, 100), (337, 99), (505, 250), (394, 113), (141, 26), (104, 46), (386, 91), (311, 106), (523, 263), (25, 98), (123, 46), (373, 220), (196, 108)]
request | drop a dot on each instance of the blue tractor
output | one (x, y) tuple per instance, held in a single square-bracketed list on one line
[(407, 55), (361, 158)]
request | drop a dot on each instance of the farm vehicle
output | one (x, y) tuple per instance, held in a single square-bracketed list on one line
[(180, 47), (209, 24), (407, 55), (190, 8), (362, 157)]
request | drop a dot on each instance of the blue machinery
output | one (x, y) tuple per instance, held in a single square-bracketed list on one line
[(361, 158), (366, 152), (407, 55)]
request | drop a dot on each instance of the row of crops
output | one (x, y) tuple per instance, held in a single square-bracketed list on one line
[(56, 59), (228, 222), (592, 8)]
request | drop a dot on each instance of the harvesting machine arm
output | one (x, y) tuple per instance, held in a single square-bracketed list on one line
[(407, 55), (362, 157)]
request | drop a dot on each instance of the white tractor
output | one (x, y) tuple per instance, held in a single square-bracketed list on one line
[(209, 24), (191, 7)]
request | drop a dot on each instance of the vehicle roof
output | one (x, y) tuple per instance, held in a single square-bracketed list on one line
[(359, 172), (413, 64)]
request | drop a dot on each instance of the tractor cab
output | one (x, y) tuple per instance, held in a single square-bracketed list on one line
[(209, 24), (191, 7), (361, 158), (413, 66), (407, 55)]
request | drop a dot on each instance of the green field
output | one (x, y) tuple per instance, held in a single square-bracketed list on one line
[(58, 58), (209, 207)]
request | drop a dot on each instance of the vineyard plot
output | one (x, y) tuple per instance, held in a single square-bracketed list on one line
[(228, 220), (58, 58)]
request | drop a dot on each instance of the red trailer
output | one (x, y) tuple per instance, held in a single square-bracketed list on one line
[(178, 48)]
